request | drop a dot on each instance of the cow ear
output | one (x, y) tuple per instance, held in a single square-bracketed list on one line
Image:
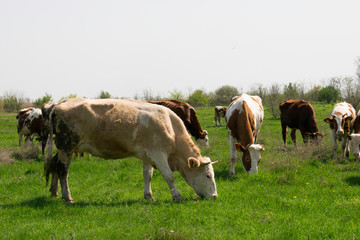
[(349, 118), (240, 147), (328, 120), (193, 162)]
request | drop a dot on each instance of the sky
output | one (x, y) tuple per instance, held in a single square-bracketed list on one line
[(127, 46)]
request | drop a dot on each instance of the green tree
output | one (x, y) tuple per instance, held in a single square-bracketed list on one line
[(13, 101), (40, 101), (103, 95), (273, 100), (71, 95), (198, 98), (176, 94), (224, 94), (313, 94), (329, 94), (293, 91)]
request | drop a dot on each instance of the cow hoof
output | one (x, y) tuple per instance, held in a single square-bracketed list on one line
[(55, 194), (177, 198), (149, 197), (69, 200), (231, 174)]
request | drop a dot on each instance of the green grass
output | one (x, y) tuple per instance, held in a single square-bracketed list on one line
[(299, 193)]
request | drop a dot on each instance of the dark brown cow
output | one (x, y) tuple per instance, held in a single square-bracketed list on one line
[(29, 124), (220, 112), (355, 137), (299, 114), (188, 115)]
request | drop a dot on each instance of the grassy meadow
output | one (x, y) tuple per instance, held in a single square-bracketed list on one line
[(299, 193)]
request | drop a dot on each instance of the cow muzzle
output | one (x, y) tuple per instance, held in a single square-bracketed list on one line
[(340, 132)]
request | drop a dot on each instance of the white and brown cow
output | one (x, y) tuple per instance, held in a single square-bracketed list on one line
[(244, 118), (114, 129), (29, 124), (220, 112), (341, 122), (188, 115), (355, 137)]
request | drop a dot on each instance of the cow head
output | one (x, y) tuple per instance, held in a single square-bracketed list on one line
[(251, 156), (204, 139), (340, 123), (315, 138), (355, 144), (200, 176)]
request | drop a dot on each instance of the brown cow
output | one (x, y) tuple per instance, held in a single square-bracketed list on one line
[(355, 137), (188, 115), (220, 112), (299, 114), (114, 129)]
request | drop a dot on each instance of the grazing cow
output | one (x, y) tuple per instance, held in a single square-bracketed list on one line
[(29, 124), (219, 113), (114, 129), (188, 115), (341, 122), (355, 137), (299, 114), (243, 121)]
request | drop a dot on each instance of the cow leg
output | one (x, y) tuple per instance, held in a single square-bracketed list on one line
[(147, 173), (54, 185), (333, 140), (20, 139), (31, 137), (63, 172), (233, 156), (293, 136), (215, 121), (162, 165), (345, 146), (284, 132)]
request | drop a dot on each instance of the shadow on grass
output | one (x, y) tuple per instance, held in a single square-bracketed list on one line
[(44, 202), (353, 181)]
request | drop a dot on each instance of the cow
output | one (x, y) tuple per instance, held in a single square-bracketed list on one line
[(341, 122), (299, 114), (29, 125), (188, 115), (115, 129), (220, 112), (244, 118), (355, 137)]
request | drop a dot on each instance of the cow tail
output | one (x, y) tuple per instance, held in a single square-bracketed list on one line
[(49, 159)]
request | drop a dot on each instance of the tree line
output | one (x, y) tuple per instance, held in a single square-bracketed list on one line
[(333, 90)]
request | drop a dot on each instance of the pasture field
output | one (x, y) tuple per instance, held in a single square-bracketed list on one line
[(299, 193)]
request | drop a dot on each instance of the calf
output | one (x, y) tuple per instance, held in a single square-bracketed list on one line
[(219, 113), (188, 115), (115, 129), (244, 118), (341, 122), (299, 114), (29, 124)]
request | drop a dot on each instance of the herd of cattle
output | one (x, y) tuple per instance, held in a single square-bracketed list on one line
[(157, 132)]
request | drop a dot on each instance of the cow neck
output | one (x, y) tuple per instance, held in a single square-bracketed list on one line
[(195, 127), (242, 125), (246, 137)]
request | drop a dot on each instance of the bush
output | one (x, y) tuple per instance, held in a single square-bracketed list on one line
[(329, 94), (13, 102), (223, 95), (41, 101), (198, 98)]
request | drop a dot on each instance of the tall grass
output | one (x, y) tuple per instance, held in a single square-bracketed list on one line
[(299, 193)]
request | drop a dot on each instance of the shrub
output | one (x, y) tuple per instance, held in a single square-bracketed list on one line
[(13, 101), (41, 101)]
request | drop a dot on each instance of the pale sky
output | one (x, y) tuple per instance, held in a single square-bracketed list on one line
[(126, 46)]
